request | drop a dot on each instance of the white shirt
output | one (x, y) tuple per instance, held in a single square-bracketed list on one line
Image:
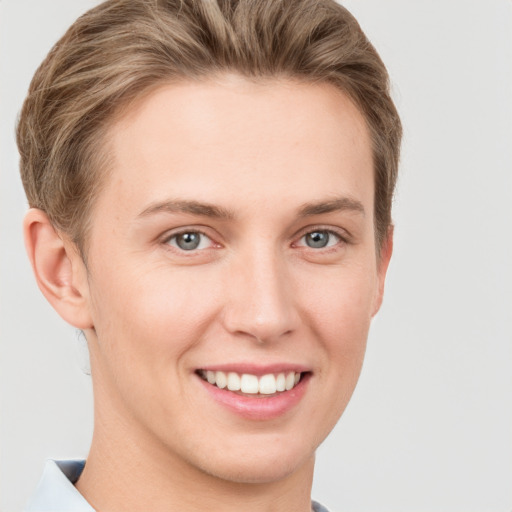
[(56, 492)]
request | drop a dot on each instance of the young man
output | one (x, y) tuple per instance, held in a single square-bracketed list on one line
[(210, 187)]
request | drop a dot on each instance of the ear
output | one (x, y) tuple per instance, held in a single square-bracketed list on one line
[(58, 268), (382, 267)]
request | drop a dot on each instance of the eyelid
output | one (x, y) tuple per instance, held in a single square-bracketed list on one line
[(169, 235), (343, 236), (341, 233)]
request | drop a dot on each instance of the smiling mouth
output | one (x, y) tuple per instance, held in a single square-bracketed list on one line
[(252, 385)]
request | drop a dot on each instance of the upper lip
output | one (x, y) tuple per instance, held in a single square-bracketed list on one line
[(256, 369)]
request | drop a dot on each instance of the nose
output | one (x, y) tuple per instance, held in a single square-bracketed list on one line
[(261, 302)]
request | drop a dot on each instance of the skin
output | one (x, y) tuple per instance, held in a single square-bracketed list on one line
[(254, 291)]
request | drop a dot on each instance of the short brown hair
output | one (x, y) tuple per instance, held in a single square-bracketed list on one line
[(121, 48)]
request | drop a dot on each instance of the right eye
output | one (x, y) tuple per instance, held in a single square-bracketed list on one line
[(189, 241)]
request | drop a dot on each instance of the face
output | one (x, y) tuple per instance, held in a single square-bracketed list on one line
[(232, 274)]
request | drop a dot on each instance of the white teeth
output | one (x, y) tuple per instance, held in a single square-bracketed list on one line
[(281, 382), (233, 381), (290, 381), (221, 380), (249, 383), (267, 384)]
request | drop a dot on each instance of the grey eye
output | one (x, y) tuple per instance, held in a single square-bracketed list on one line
[(317, 239), (320, 239), (187, 241)]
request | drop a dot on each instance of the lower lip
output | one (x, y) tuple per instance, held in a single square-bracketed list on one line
[(259, 408)]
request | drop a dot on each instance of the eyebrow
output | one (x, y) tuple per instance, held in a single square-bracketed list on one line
[(218, 212), (334, 205), (192, 207)]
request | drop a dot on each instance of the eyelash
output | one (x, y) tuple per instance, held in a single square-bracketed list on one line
[(332, 233), (174, 236), (342, 239)]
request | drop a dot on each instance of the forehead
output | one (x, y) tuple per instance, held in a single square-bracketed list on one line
[(221, 139)]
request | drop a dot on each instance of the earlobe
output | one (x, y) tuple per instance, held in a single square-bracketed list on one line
[(58, 268), (382, 268)]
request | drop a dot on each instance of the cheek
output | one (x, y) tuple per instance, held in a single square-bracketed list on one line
[(149, 315), (341, 306), (144, 326), (340, 313)]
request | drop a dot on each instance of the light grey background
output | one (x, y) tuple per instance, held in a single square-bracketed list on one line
[(430, 425)]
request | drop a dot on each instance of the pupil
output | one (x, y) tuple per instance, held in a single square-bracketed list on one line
[(188, 241), (317, 239)]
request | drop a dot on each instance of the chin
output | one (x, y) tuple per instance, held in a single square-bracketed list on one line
[(257, 473), (259, 466)]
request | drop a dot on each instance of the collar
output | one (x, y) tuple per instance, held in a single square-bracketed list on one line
[(56, 492)]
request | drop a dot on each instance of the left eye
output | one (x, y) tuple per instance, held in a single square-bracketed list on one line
[(190, 241), (320, 239)]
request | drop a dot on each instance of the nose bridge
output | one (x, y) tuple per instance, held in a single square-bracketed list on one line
[(261, 302)]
